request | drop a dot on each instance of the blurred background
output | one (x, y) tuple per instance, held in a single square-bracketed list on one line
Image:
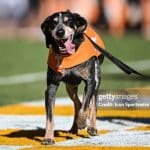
[(114, 16), (123, 24)]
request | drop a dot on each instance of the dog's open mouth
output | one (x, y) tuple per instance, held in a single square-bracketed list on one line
[(66, 45)]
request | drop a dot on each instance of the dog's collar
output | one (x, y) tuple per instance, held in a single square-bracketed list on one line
[(85, 51)]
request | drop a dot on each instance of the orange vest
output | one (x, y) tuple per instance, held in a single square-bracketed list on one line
[(85, 51)]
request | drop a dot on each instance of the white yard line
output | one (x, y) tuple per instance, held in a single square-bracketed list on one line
[(121, 138), (23, 78), (40, 76), (60, 101), (8, 147), (34, 122)]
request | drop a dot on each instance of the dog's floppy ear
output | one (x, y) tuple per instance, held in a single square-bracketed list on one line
[(44, 25), (45, 30), (81, 23)]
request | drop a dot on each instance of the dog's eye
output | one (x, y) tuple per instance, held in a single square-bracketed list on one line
[(68, 22)]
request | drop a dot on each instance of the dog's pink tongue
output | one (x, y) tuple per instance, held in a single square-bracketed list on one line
[(70, 47)]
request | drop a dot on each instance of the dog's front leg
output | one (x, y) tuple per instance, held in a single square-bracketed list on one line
[(91, 129), (83, 114), (49, 104)]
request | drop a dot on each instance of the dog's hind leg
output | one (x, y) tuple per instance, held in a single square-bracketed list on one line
[(49, 104), (72, 91)]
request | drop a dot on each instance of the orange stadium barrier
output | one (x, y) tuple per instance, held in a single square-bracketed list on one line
[(115, 11), (89, 9), (145, 5)]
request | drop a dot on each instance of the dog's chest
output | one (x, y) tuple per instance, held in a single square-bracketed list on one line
[(78, 73), (72, 76), (71, 79)]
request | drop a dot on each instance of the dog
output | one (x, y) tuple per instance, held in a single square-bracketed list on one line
[(76, 53), (64, 35)]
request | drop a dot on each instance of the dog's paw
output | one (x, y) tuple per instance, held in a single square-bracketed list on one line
[(92, 131), (48, 142), (81, 120)]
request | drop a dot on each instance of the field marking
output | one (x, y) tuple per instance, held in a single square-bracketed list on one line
[(28, 129), (116, 138), (88, 148), (10, 147), (68, 110), (60, 101), (37, 122), (40, 76), (114, 133), (23, 78)]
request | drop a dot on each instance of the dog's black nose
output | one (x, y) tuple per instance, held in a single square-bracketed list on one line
[(60, 32)]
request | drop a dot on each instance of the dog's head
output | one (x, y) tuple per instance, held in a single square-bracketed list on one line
[(64, 31)]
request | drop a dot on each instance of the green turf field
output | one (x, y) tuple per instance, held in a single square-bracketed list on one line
[(19, 56)]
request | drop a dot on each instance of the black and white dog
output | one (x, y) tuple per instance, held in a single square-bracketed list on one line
[(59, 28), (64, 34)]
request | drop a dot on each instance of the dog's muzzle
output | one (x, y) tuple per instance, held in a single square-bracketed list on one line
[(66, 46)]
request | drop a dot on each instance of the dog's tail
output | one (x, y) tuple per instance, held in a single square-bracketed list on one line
[(127, 69)]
